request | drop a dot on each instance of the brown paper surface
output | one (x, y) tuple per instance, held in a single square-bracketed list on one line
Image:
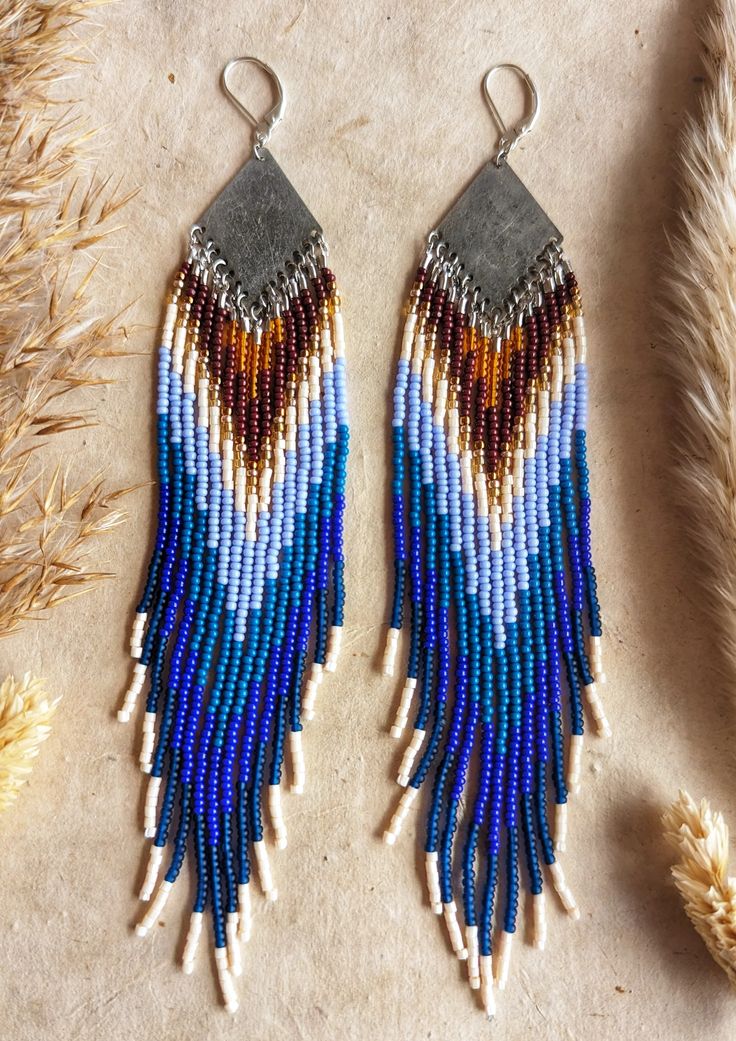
[(385, 124)]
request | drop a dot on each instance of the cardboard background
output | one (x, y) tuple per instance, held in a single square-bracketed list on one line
[(385, 124)]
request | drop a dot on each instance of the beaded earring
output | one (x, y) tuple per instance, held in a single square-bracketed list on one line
[(245, 582), (489, 446)]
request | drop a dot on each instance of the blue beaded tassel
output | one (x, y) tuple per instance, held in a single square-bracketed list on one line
[(491, 509), (243, 605)]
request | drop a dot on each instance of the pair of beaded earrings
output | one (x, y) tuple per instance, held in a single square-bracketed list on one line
[(242, 610)]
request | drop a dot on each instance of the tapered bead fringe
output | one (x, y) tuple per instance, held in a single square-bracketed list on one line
[(493, 560), (242, 610)]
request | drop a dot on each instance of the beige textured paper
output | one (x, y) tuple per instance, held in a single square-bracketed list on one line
[(385, 124)]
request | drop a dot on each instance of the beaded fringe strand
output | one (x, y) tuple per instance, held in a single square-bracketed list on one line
[(489, 445), (245, 583)]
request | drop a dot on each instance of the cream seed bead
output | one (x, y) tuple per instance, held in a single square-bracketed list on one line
[(298, 769), (530, 432), (453, 431), (167, 334), (518, 473), (407, 762), (556, 388), (568, 355), (148, 741), (291, 428), (466, 472), (539, 913), (390, 651), (264, 489), (215, 428), (276, 813), (481, 495), (428, 379), (136, 636), (227, 987), (240, 489), (454, 931), (402, 713), (192, 942), (155, 857), (433, 881), (234, 956), (245, 918), (302, 403), (190, 372), (203, 402), (228, 456), (495, 526), (503, 959), (471, 942), (543, 417), (263, 867), (338, 326), (561, 826), (334, 642), (417, 360), (486, 985), (314, 378), (575, 759), (563, 890), (581, 340), (251, 518), (440, 403), (153, 913), (405, 803), (326, 345), (596, 659), (177, 355), (507, 493), (310, 690), (150, 807), (598, 712), (132, 693), (279, 462), (407, 340)]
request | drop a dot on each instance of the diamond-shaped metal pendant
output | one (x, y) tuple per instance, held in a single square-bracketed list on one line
[(497, 228), (257, 222)]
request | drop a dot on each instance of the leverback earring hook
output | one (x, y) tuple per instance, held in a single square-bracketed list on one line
[(264, 127), (510, 136)]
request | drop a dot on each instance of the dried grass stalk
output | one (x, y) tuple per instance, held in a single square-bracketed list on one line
[(25, 723), (701, 875), (54, 215), (700, 325), (700, 331)]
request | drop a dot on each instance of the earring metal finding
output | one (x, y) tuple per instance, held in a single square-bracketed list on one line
[(263, 127), (510, 136)]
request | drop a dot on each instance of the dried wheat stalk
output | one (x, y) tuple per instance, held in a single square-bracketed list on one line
[(54, 213)]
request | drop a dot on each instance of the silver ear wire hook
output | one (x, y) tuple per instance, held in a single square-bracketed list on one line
[(510, 136), (264, 127)]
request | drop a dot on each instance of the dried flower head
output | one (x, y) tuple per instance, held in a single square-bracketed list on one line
[(25, 723), (701, 874)]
